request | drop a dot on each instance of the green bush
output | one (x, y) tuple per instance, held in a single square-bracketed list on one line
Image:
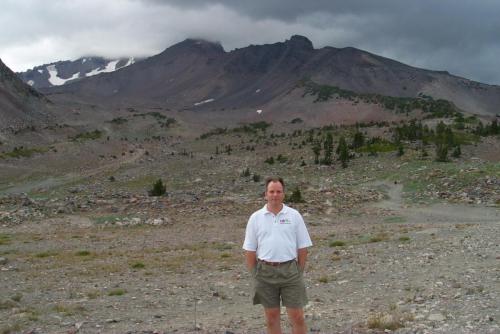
[(337, 243), (96, 134), (295, 197), (159, 189), (269, 161)]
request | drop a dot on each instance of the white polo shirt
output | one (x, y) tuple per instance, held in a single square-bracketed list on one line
[(276, 238)]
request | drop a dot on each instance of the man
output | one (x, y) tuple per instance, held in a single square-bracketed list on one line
[(276, 242)]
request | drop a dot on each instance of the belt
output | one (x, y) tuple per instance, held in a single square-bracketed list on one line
[(274, 264)]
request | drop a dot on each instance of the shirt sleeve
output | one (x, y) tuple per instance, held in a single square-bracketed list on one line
[(303, 238), (250, 243)]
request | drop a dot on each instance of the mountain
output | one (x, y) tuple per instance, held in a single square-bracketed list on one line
[(199, 75), (20, 105), (62, 72)]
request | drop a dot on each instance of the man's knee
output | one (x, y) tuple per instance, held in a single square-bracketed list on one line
[(296, 316), (272, 316)]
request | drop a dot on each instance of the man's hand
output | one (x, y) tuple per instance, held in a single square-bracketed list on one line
[(251, 260), (301, 258)]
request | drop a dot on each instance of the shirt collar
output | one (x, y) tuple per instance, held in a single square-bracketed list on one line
[(283, 209)]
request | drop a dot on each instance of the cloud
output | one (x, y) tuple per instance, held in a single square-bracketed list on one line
[(457, 36)]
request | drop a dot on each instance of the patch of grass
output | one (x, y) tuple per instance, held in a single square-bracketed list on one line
[(337, 243), (83, 253), (384, 321), (463, 226), (378, 147), (31, 313), (394, 219), (17, 297), (379, 237), (225, 255), (108, 218), (42, 255), (4, 239), (138, 265), (222, 246), (93, 294), (139, 182), (117, 292), (323, 279), (69, 310), (11, 329), (118, 120), (23, 152), (7, 304), (404, 238)]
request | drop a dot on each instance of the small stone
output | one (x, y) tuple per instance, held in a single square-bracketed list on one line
[(3, 260), (436, 317)]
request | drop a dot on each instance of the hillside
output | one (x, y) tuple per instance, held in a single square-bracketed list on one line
[(20, 105)]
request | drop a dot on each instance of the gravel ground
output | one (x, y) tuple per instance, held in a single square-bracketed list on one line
[(402, 269)]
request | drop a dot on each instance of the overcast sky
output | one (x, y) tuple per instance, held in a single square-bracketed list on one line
[(459, 36)]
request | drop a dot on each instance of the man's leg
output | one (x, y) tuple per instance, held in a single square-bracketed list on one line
[(273, 320), (296, 316)]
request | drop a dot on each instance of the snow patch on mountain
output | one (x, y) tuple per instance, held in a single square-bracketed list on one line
[(203, 102), (131, 60), (57, 81), (110, 67)]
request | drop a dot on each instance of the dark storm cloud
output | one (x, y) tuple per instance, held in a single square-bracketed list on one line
[(456, 36)]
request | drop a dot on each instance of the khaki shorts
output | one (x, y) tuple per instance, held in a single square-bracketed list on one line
[(284, 283)]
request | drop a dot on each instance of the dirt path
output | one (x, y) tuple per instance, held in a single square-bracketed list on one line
[(57, 181), (435, 213)]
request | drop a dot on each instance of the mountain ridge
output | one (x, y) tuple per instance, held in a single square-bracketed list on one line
[(196, 70), (61, 72)]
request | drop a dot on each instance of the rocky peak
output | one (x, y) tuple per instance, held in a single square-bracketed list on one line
[(300, 42), (199, 45)]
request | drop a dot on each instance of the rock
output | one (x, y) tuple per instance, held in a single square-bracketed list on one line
[(3, 261), (436, 317)]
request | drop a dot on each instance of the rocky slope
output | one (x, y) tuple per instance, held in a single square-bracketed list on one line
[(20, 105)]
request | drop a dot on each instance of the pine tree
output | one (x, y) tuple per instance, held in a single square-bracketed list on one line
[(246, 172), (343, 152), (159, 189), (401, 150), (328, 147), (358, 141), (317, 151), (494, 128), (457, 152), (296, 196), (441, 152)]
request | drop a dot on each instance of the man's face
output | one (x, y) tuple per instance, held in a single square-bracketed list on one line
[(274, 193)]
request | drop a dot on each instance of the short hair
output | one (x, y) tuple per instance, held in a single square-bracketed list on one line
[(275, 179)]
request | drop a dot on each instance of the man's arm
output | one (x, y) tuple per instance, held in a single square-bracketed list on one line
[(251, 259), (302, 258)]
